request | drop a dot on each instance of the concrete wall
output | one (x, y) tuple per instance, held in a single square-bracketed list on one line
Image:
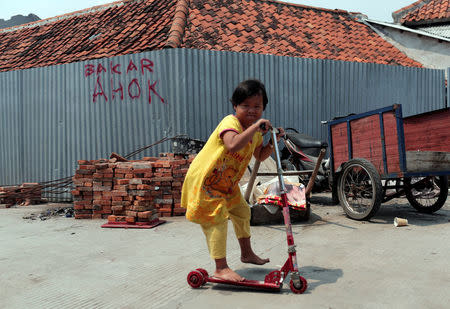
[(432, 53)]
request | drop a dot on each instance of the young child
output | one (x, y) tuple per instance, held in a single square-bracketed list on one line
[(211, 191)]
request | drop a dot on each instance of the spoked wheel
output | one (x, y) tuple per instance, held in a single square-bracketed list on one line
[(426, 194), (195, 279), (359, 189), (300, 288)]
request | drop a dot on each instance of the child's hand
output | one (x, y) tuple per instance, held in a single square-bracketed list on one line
[(263, 125), (280, 133)]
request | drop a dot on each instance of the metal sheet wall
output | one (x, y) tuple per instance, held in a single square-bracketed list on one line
[(53, 116), (11, 128)]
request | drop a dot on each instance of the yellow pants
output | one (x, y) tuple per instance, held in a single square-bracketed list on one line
[(216, 235)]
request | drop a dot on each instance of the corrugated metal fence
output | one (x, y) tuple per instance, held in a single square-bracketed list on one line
[(53, 116)]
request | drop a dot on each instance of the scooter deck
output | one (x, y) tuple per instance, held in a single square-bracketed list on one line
[(247, 283)]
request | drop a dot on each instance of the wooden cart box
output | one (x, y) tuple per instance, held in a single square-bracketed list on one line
[(396, 146)]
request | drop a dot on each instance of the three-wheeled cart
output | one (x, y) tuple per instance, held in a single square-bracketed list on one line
[(379, 155)]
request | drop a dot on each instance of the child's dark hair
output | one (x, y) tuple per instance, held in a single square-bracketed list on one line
[(247, 89)]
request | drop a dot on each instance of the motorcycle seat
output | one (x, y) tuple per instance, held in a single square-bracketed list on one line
[(305, 141)]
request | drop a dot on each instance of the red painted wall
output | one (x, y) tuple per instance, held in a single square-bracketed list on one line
[(428, 132)]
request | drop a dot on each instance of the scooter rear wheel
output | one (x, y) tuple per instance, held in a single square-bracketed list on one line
[(273, 277), (195, 279), (299, 289), (204, 273)]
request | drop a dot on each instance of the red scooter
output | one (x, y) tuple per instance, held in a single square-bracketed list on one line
[(273, 280)]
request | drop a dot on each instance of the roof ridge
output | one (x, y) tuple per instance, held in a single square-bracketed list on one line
[(399, 14), (66, 16), (408, 7), (176, 32), (308, 6)]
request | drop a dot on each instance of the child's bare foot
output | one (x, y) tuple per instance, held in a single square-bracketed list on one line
[(228, 274), (254, 259)]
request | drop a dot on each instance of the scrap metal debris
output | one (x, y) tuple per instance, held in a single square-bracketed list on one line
[(67, 212)]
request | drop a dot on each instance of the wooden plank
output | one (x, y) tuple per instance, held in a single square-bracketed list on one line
[(251, 181), (391, 141), (340, 144), (428, 132), (427, 161), (366, 139)]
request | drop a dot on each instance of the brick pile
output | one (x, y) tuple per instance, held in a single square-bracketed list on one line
[(132, 191), (23, 195)]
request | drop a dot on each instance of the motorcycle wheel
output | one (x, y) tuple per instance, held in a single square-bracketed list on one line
[(426, 194), (359, 189), (287, 165)]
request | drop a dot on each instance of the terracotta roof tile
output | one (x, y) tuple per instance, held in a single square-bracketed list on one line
[(423, 12), (288, 30), (103, 31), (251, 26)]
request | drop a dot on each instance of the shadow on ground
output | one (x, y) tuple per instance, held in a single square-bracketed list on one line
[(399, 207), (387, 213), (315, 276)]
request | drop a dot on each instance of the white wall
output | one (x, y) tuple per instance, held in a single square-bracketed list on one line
[(432, 53)]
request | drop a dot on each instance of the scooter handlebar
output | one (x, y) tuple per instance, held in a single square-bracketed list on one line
[(262, 126)]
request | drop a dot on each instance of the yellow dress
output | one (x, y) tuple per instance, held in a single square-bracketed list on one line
[(211, 185)]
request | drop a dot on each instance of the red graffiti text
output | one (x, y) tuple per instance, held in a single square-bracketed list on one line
[(133, 87)]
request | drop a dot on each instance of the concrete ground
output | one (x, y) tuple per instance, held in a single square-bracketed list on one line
[(67, 263)]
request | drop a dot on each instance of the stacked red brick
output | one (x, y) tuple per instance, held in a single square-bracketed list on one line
[(83, 193), (102, 185), (169, 172), (134, 191), (23, 195), (132, 199)]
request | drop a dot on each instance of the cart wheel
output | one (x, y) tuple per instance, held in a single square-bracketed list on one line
[(204, 273), (359, 189), (426, 194), (195, 279), (299, 289)]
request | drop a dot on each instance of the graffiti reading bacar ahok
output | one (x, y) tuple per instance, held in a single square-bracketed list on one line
[(134, 89)]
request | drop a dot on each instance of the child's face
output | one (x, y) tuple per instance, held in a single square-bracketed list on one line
[(250, 110)]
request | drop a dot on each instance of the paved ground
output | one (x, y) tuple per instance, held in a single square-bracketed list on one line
[(67, 263)]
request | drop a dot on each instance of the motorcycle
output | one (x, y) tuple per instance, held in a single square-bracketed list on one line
[(300, 153)]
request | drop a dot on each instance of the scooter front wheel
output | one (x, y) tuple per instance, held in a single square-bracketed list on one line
[(195, 279), (299, 289)]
